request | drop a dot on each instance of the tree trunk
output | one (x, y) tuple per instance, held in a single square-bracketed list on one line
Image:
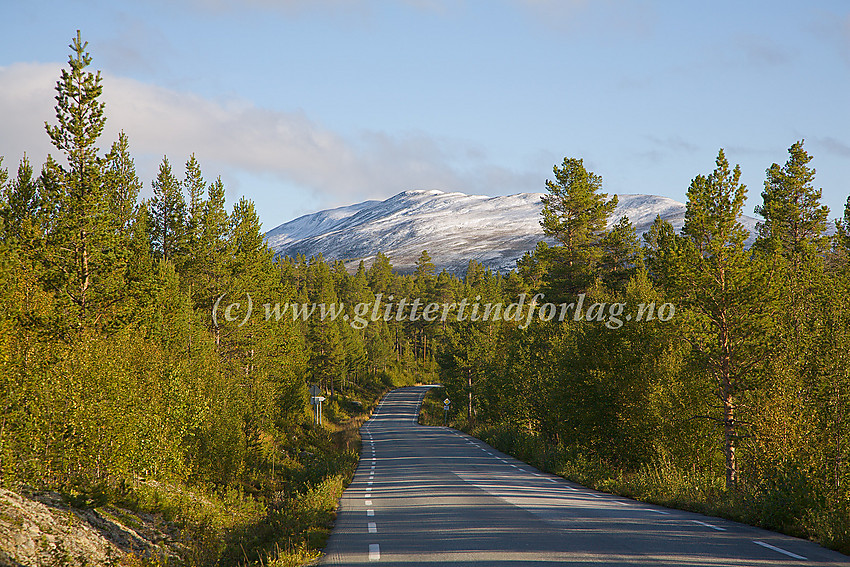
[(84, 276), (729, 436), (727, 397), (469, 395)]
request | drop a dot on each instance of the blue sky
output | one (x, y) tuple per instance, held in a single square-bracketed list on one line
[(306, 104)]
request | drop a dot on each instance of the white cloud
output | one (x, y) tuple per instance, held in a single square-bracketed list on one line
[(26, 102), (234, 136)]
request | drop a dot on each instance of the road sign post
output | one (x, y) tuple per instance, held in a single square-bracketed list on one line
[(316, 398), (447, 403)]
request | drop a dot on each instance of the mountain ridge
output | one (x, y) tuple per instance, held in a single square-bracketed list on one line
[(453, 227)]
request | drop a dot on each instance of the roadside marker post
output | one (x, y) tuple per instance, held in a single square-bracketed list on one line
[(447, 403)]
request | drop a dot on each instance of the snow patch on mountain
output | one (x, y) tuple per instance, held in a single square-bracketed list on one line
[(453, 227)]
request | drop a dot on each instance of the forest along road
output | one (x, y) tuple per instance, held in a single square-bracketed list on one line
[(433, 496)]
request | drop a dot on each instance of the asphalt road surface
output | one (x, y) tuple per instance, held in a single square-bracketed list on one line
[(426, 496)]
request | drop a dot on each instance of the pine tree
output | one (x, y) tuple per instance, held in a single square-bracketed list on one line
[(534, 265), (4, 178), (794, 219), (380, 274), (354, 292), (210, 260), (465, 358), (575, 213), (168, 214), (122, 184), (215, 219), (327, 357), (424, 267), (474, 273), (246, 236), (195, 187), (842, 230), (81, 120), (621, 254), (22, 208), (81, 257), (728, 293)]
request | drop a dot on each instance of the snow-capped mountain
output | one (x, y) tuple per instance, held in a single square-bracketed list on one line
[(453, 227)]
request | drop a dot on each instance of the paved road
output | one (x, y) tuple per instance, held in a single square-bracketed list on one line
[(426, 496)]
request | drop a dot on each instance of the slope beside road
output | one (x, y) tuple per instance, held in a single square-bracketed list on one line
[(426, 496)]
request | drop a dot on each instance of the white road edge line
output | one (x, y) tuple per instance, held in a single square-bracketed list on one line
[(719, 529), (780, 550), (374, 552)]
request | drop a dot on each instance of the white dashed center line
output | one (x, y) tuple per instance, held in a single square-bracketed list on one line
[(709, 526), (374, 552), (780, 550)]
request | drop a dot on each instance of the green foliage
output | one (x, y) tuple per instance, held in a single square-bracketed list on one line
[(842, 235), (736, 406), (575, 213), (168, 215), (794, 219), (621, 256), (82, 257), (123, 184), (116, 384)]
